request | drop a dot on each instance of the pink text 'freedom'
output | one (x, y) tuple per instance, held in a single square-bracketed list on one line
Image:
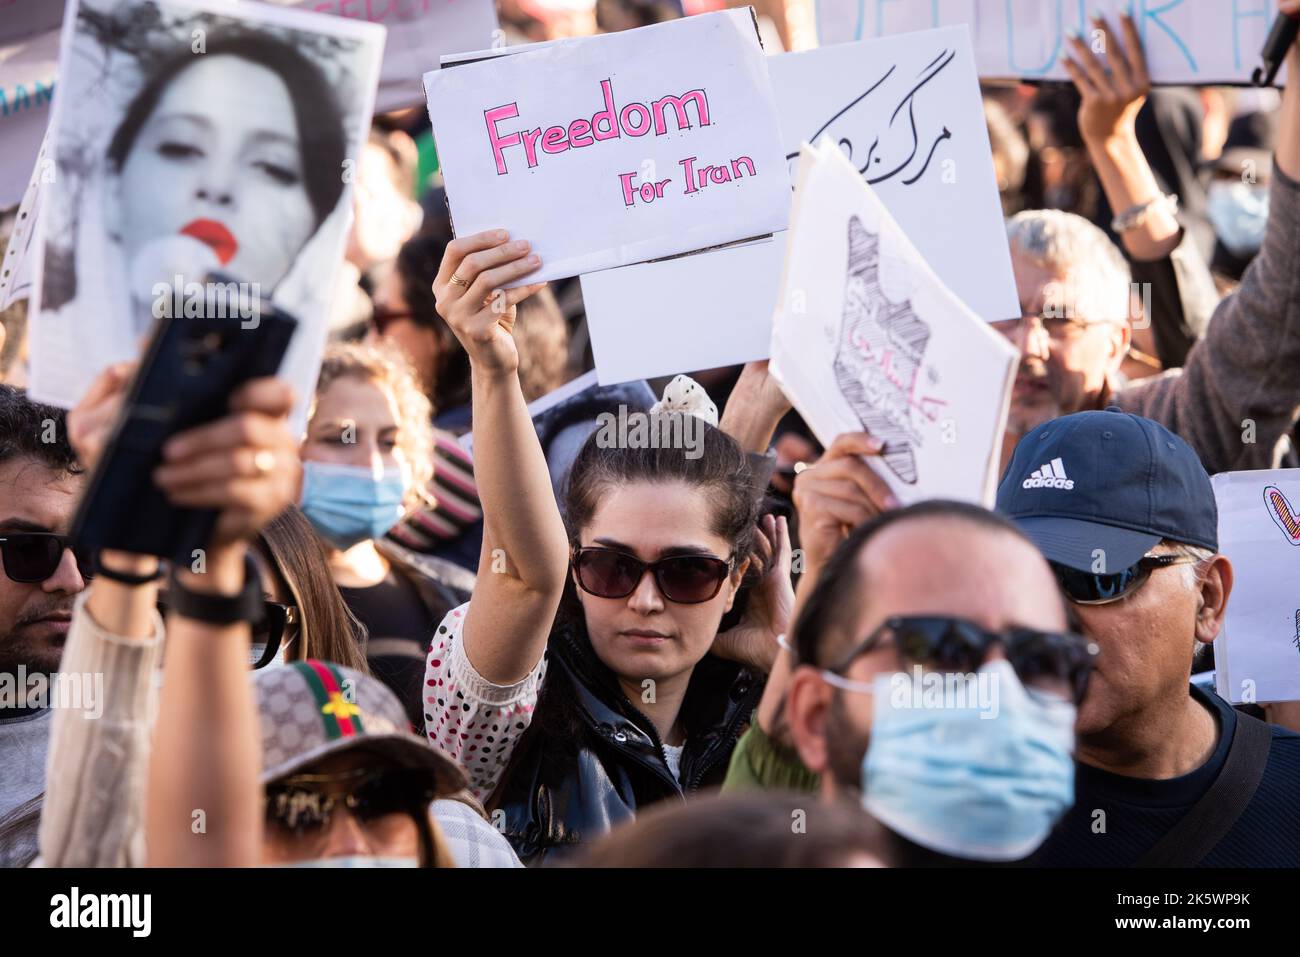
[(634, 119)]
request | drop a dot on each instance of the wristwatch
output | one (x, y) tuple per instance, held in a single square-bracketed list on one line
[(247, 605)]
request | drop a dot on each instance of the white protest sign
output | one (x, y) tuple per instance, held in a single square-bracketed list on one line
[(908, 111), (1186, 41), (866, 336), (193, 137), (1257, 653), (615, 149), (28, 66), (684, 314)]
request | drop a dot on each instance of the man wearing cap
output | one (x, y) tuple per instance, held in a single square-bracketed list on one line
[(1236, 398), (1167, 774)]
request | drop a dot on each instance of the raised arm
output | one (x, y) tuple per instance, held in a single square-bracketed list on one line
[(1111, 100), (524, 560), (1237, 399), (1179, 293), (205, 799), (95, 794)]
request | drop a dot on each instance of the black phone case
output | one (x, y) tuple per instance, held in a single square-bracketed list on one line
[(190, 369)]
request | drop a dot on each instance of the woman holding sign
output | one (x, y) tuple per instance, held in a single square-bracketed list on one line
[(587, 676)]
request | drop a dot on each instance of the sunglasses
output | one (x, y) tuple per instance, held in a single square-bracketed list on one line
[(279, 625), (683, 579), (1044, 661), (303, 805), (31, 557), (1087, 588), (382, 318)]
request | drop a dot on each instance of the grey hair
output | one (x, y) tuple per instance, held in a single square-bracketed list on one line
[(1191, 578), (1192, 573), (1097, 272)]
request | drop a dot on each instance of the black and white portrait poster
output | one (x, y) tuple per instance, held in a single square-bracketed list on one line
[(191, 138)]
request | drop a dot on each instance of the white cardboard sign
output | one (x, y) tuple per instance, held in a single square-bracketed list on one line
[(615, 149), (1257, 654), (1186, 41), (867, 336), (235, 165), (908, 111)]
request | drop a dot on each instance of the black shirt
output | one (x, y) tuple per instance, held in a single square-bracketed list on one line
[(400, 625), (1138, 811)]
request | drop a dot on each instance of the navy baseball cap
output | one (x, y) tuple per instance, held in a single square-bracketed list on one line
[(1107, 481)]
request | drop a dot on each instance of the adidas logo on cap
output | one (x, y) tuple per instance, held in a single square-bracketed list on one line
[(1051, 475)]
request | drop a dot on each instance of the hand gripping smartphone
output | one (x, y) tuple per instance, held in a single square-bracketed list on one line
[(190, 368)]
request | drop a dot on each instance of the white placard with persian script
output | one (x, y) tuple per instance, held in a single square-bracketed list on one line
[(866, 336)]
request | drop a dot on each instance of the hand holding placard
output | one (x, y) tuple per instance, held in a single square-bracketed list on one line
[(470, 298)]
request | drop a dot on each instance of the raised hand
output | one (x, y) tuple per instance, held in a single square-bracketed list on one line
[(839, 492), (1112, 92), (470, 298), (752, 641), (246, 464), (91, 420)]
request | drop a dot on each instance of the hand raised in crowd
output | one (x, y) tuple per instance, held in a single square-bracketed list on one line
[(1112, 93), (245, 464), (838, 493), (92, 419), (752, 642), (754, 408), (470, 298)]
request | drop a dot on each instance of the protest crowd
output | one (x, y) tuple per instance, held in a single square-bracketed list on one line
[(452, 609)]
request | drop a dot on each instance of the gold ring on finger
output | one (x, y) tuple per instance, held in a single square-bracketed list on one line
[(457, 281), (264, 461)]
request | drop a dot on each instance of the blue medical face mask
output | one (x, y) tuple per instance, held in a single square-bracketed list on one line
[(347, 504), (976, 782), (1238, 212)]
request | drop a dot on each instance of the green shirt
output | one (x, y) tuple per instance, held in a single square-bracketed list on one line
[(758, 762)]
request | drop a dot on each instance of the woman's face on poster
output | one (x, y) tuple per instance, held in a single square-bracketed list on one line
[(220, 160)]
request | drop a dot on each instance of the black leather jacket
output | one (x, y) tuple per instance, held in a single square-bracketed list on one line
[(590, 758)]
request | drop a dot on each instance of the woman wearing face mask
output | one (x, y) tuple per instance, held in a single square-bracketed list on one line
[(366, 461), (194, 180), (641, 698), (311, 764), (1237, 198)]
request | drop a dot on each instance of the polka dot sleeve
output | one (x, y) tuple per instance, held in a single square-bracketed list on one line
[(475, 721)]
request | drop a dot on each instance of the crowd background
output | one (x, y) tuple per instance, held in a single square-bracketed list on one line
[(500, 655)]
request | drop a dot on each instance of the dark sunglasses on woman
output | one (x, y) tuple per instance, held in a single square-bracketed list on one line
[(32, 557), (1043, 660), (279, 626), (683, 579), (382, 318), (1088, 588), (305, 803)]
